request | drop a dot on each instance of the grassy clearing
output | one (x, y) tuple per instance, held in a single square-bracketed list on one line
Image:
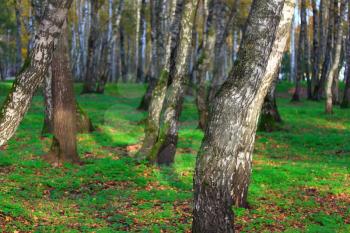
[(300, 182)]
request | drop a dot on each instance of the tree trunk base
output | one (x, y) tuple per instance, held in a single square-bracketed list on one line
[(56, 158)]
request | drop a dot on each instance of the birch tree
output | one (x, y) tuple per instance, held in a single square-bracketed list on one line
[(163, 151), (224, 160), (26, 83), (339, 13)]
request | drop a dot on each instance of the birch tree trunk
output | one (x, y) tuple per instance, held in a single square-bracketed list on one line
[(26, 83), (156, 43), (346, 97), (91, 75), (316, 46), (224, 161), (123, 59), (328, 55), (165, 148), (142, 43), (18, 35), (337, 52), (220, 20), (204, 64), (64, 144), (154, 112), (302, 65)]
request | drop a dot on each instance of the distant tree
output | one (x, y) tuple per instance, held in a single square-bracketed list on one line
[(32, 75), (17, 4), (316, 46), (327, 61), (302, 55), (224, 161), (141, 40), (157, 44), (90, 82), (338, 14), (346, 97), (203, 65)]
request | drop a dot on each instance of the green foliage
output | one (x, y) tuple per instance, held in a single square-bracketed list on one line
[(300, 179)]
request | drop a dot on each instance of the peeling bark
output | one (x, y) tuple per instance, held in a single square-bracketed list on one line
[(224, 161), (26, 83)]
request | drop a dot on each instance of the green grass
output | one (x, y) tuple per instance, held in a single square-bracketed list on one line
[(300, 181)]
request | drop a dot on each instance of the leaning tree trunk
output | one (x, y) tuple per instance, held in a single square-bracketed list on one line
[(224, 161), (337, 50), (26, 83), (64, 143), (270, 116), (165, 148), (346, 97), (302, 58), (90, 81), (153, 120)]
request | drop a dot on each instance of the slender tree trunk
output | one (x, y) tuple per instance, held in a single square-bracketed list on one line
[(337, 50), (112, 39), (26, 83), (141, 43), (18, 35), (270, 117), (158, 95), (123, 60), (156, 33), (220, 20), (346, 97), (64, 145), (224, 161), (328, 55), (90, 75), (165, 148), (316, 47), (302, 50), (204, 64)]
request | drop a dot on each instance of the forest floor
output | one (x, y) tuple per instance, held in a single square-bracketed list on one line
[(300, 182)]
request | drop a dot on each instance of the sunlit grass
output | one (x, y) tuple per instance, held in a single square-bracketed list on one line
[(300, 181)]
